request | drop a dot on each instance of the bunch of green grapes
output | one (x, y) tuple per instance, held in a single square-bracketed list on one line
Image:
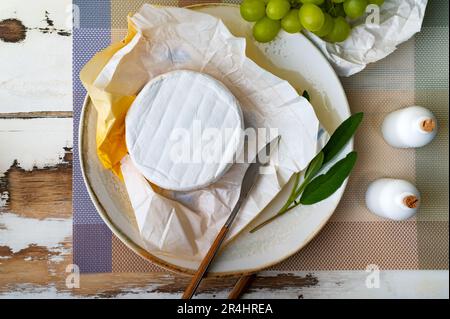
[(328, 19)]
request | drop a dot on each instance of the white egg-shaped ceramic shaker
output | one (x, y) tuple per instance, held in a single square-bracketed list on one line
[(395, 199), (413, 126)]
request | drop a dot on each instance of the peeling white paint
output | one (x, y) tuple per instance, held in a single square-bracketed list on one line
[(332, 284), (33, 142), (27, 291), (36, 73), (337, 285), (21, 232), (61, 253)]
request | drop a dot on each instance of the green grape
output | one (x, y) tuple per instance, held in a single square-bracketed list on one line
[(338, 1), (266, 29), (334, 9), (252, 10), (311, 17), (355, 8), (327, 26), (318, 2), (340, 32), (291, 23), (277, 9), (339, 10), (377, 2)]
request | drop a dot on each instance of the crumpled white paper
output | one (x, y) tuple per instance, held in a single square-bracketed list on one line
[(370, 42), (184, 224)]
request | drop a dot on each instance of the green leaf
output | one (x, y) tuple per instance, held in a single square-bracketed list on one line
[(341, 136), (306, 95), (326, 184), (314, 166)]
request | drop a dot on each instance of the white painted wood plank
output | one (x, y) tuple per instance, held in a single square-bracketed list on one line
[(33, 142), (348, 285), (393, 284), (332, 284), (36, 74), (18, 233)]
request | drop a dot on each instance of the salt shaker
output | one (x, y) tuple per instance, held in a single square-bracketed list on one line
[(413, 126), (395, 199)]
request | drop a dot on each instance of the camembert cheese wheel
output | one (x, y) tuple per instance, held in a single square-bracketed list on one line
[(184, 130)]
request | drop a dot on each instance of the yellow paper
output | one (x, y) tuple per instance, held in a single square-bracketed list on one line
[(111, 108)]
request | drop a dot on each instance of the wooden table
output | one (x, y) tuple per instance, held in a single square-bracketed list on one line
[(35, 186)]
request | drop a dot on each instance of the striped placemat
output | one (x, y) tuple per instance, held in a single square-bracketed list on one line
[(417, 73)]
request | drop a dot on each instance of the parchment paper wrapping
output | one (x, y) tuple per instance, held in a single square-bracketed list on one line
[(370, 42), (165, 39)]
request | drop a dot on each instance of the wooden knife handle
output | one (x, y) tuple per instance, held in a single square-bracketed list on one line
[(241, 286), (195, 281)]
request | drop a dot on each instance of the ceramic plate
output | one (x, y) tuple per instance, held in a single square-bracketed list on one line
[(291, 57)]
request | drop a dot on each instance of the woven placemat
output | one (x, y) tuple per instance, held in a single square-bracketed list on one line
[(417, 73)]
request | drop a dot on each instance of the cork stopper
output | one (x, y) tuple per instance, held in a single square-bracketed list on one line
[(428, 125), (411, 201)]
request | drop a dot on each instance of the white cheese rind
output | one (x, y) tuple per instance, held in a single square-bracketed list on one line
[(175, 121)]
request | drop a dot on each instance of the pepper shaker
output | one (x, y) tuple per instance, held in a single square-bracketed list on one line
[(413, 126), (395, 199)]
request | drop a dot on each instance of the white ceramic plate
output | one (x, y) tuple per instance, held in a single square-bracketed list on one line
[(290, 56)]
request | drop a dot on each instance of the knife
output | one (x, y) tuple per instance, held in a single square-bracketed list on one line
[(249, 180)]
